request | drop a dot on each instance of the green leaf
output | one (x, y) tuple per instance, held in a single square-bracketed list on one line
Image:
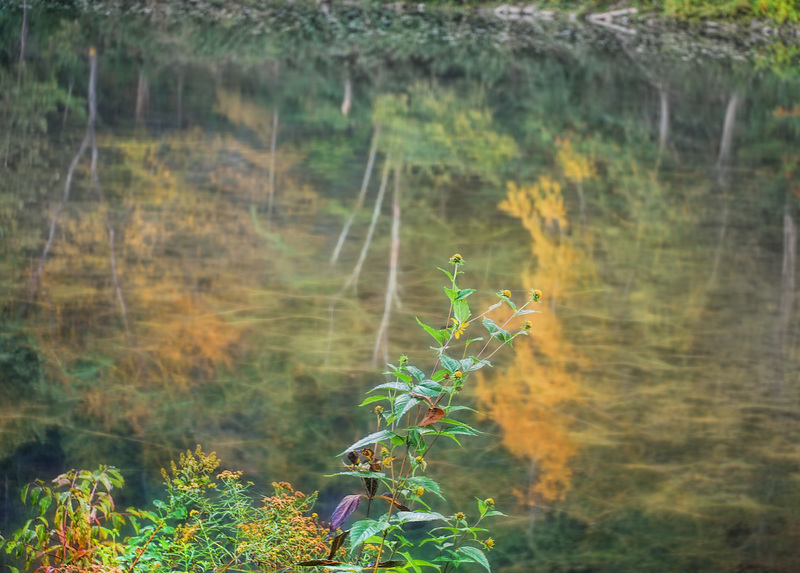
[(451, 431), (439, 375), (392, 385), (449, 275), (467, 429), (403, 404), (416, 516), (369, 440), (508, 300), (410, 561), (496, 331), (449, 434), (372, 399), (425, 482), (414, 438), (44, 503), (451, 294), (417, 373), (461, 310), (476, 364), (438, 335), (452, 409), (431, 390), (464, 293), (474, 555), (363, 530), (35, 494), (450, 364)]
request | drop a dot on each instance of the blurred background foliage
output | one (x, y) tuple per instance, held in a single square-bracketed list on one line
[(646, 184)]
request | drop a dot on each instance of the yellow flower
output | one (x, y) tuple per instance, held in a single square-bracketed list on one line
[(460, 516), (536, 295), (458, 328), (388, 461), (507, 293), (527, 325), (489, 501), (489, 543), (456, 259), (420, 491), (458, 374)]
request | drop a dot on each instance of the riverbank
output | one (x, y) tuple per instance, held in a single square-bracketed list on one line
[(741, 13), (646, 30)]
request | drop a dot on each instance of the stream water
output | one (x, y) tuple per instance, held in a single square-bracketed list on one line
[(218, 234)]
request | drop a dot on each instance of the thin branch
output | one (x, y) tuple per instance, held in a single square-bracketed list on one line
[(353, 278), (66, 106), (726, 140), (272, 145), (360, 201), (37, 276), (382, 338), (22, 43)]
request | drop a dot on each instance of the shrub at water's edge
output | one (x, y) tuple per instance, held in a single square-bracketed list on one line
[(209, 520)]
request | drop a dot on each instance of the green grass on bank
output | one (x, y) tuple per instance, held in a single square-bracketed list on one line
[(741, 11)]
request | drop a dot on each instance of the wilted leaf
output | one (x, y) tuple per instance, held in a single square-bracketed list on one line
[(433, 416), (371, 484), (337, 543), (394, 502), (317, 562)]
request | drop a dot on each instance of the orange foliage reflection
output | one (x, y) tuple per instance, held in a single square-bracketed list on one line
[(531, 402)]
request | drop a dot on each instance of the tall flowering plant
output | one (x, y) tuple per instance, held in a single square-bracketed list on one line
[(412, 411)]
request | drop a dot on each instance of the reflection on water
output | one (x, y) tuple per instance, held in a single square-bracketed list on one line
[(245, 230)]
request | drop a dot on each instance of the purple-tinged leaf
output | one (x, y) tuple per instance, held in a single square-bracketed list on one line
[(344, 510)]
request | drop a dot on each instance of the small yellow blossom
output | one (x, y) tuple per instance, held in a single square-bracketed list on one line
[(458, 328), (536, 295), (527, 325), (507, 293), (489, 543), (460, 516), (420, 491), (377, 409), (489, 501), (457, 259), (388, 461), (384, 451), (458, 374)]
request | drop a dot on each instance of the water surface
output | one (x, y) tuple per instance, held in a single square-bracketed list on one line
[(195, 285)]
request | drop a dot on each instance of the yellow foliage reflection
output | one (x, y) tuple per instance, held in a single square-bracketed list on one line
[(531, 402)]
